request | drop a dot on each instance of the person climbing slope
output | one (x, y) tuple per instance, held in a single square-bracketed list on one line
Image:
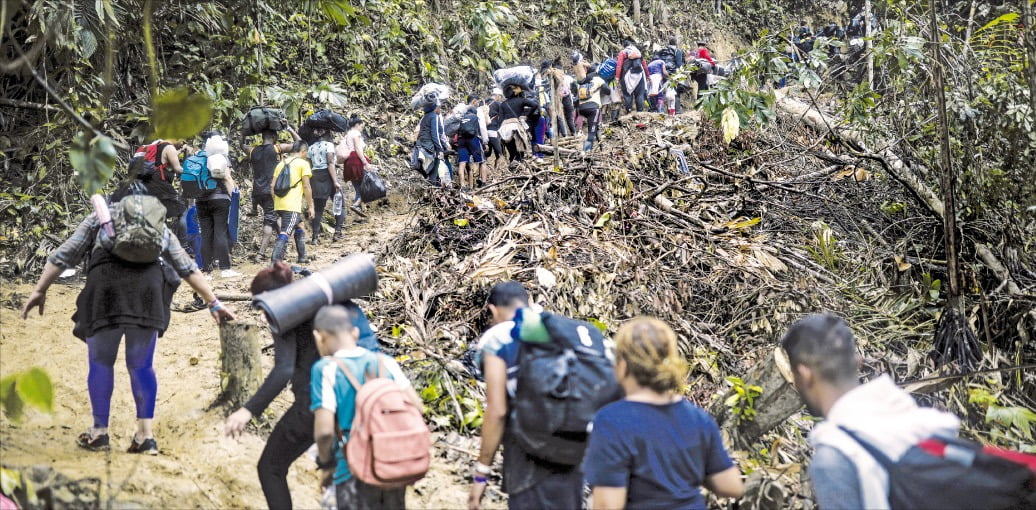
[(294, 353), (354, 165), (214, 208), (631, 74), (324, 182), (591, 92), (431, 141), (124, 299), (657, 74), (654, 448), (288, 195), (514, 132), (263, 159)]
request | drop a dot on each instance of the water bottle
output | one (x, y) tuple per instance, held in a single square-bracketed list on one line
[(336, 208)]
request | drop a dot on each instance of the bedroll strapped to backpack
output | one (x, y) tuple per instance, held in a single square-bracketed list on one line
[(138, 222), (562, 382), (951, 473), (389, 444), (263, 118), (196, 181)]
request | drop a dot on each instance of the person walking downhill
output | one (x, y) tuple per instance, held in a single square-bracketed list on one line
[(214, 209), (294, 353), (356, 163), (333, 396), (288, 200), (263, 159), (324, 182), (654, 448), (124, 299)]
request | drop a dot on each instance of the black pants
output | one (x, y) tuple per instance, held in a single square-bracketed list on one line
[(265, 201), (215, 242), (561, 491), (353, 494), (638, 96), (319, 204), (291, 437), (569, 108), (592, 119)]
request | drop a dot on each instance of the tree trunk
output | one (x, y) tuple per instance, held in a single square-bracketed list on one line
[(778, 401), (1029, 21), (867, 33), (241, 373), (636, 12)]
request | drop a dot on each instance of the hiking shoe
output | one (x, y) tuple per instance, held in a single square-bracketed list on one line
[(96, 444), (229, 273), (303, 260), (337, 237), (147, 447)]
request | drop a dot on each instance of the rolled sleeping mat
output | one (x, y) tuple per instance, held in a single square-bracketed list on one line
[(352, 277)]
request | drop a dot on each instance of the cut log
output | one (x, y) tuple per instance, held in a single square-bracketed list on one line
[(777, 402), (241, 373)]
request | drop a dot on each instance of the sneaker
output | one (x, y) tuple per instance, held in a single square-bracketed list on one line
[(337, 237), (94, 444), (147, 447), (229, 273)]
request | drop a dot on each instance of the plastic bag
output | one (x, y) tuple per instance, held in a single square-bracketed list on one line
[(445, 174), (429, 93), (372, 187), (521, 76)]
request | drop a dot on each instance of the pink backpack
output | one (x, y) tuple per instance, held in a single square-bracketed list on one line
[(389, 445)]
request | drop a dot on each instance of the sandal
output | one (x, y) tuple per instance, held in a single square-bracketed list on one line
[(94, 444), (148, 446)]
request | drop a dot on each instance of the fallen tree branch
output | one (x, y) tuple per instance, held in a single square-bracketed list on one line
[(25, 104)]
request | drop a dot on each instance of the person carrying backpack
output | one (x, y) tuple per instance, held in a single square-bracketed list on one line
[(322, 156), (514, 373), (592, 91), (876, 448), (654, 448), (431, 141), (263, 159), (295, 352), (472, 135), (337, 382), (514, 128), (165, 166), (495, 147), (289, 187), (631, 74), (131, 276), (658, 73), (214, 205)]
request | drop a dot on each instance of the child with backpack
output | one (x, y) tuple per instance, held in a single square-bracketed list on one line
[(290, 186), (654, 448), (135, 266), (352, 401)]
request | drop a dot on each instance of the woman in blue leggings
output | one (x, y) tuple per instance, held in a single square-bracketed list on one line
[(122, 299)]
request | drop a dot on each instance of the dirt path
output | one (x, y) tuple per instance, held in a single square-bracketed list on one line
[(197, 467)]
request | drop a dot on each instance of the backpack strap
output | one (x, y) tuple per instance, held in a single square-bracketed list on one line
[(882, 459), (348, 374)]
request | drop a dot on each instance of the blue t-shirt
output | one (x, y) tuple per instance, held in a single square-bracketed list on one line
[(331, 390), (660, 453)]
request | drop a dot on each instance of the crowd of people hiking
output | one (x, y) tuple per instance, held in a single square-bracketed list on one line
[(570, 409), (529, 107)]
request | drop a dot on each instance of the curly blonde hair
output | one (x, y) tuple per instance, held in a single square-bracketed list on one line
[(648, 346)]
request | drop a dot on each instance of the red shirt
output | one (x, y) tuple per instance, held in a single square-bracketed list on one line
[(703, 53)]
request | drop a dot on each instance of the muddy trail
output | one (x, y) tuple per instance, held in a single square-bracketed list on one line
[(198, 467)]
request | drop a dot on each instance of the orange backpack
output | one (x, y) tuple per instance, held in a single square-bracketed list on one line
[(389, 445)]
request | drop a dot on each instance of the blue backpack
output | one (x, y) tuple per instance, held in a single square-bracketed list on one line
[(196, 180), (607, 69)]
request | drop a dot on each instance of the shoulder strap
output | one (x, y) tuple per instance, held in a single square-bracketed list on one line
[(348, 374), (878, 455)]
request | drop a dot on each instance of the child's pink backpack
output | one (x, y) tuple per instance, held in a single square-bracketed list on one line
[(389, 445)]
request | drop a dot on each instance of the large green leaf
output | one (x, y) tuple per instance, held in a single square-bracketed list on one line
[(35, 389), (12, 404), (178, 114), (93, 160)]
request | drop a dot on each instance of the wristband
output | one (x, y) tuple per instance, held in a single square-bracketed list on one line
[(480, 479), (482, 469)]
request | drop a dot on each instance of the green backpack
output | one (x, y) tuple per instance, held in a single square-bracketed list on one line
[(139, 225)]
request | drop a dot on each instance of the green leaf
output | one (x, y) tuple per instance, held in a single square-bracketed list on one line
[(94, 161), (598, 324), (10, 481), (178, 114), (12, 403), (1018, 417), (431, 393), (35, 389)]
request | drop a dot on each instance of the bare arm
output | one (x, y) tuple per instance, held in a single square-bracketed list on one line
[(229, 181), (608, 498), (726, 483), (38, 297), (171, 159), (493, 420), (324, 437), (307, 191)]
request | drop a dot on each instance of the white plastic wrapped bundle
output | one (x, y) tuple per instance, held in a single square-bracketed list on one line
[(518, 75), (429, 93)]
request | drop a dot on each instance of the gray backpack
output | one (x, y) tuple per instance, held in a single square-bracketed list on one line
[(139, 225)]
